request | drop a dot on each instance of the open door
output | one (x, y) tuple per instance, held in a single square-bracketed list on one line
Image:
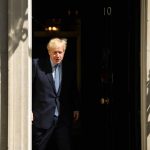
[(105, 49)]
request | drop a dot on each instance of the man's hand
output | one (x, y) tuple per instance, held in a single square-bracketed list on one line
[(32, 118)]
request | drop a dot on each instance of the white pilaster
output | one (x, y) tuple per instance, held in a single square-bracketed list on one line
[(19, 75), (145, 74), (3, 76), (148, 75)]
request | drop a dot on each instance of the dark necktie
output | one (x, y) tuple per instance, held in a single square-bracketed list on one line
[(57, 77), (57, 82)]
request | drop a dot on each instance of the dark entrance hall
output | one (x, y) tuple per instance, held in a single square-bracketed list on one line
[(104, 45)]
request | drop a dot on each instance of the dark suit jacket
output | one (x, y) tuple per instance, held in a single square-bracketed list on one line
[(44, 96)]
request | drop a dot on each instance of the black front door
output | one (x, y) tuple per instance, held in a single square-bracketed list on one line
[(110, 75)]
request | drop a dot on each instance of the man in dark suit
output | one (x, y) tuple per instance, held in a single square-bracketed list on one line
[(53, 109)]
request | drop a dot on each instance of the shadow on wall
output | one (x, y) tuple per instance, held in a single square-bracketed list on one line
[(148, 106), (18, 32)]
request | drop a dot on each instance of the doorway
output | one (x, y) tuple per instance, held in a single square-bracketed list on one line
[(107, 53)]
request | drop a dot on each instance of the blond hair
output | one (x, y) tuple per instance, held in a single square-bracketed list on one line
[(54, 42)]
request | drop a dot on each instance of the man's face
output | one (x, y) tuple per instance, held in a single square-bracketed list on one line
[(57, 54)]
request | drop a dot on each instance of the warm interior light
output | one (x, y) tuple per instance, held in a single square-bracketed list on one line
[(49, 28), (55, 28), (52, 28)]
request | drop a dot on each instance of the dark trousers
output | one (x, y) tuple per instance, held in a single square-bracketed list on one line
[(58, 137)]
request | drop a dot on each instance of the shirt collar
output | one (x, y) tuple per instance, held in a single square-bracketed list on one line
[(53, 65)]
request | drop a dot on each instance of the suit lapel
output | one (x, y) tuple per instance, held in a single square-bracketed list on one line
[(49, 74), (51, 80)]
